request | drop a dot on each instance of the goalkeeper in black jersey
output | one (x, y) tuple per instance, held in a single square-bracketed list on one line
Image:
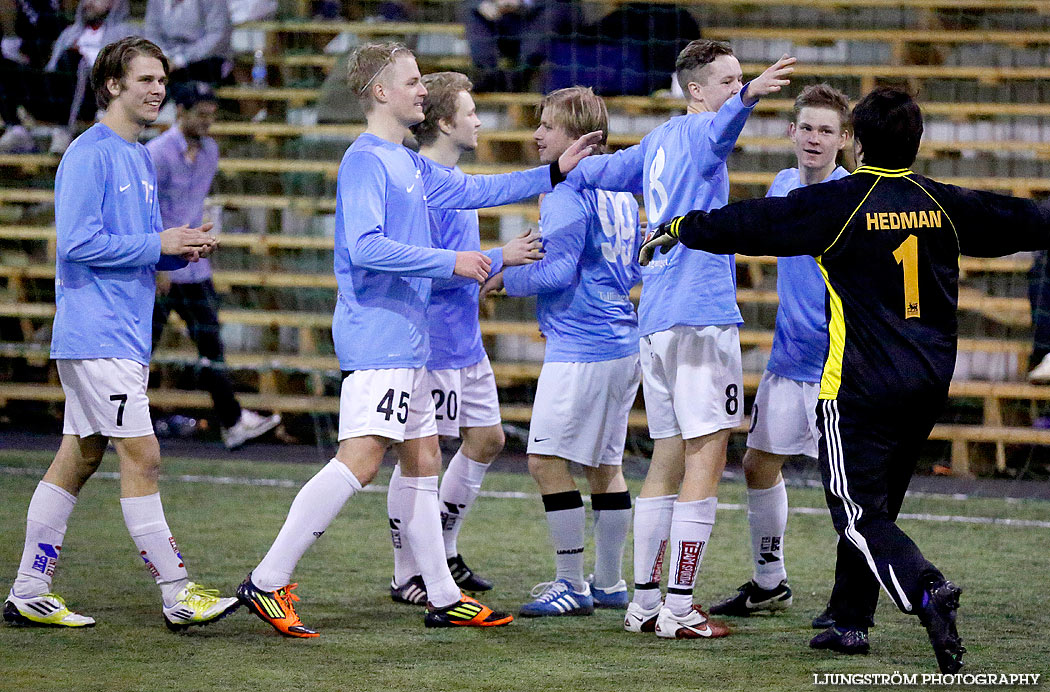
[(888, 243)]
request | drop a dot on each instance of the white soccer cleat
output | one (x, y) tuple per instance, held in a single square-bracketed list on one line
[(638, 619), (249, 426), (48, 610), (195, 606), (694, 625)]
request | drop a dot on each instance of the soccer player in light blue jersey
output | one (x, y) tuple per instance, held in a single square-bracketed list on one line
[(384, 264), (784, 416), (110, 244), (459, 375), (590, 374), (690, 346)]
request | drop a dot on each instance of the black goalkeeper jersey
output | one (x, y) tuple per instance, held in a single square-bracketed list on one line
[(888, 244)]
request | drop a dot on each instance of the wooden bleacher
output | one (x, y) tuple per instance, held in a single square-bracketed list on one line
[(997, 401)]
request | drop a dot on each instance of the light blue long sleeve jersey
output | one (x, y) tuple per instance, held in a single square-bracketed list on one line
[(452, 318), (384, 259), (680, 166), (800, 338), (107, 220), (583, 283)]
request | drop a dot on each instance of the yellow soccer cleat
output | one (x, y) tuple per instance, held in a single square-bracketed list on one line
[(48, 610), (197, 606)]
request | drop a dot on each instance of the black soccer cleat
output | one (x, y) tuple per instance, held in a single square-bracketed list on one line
[(412, 592), (937, 615), (845, 641), (466, 578), (824, 620), (751, 598)]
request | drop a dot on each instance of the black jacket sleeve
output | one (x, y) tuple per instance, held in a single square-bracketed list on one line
[(803, 223), (993, 225)]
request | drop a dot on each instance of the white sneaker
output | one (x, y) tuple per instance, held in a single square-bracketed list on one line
[(48, 610), (60, 140), (695, 625), (17, 140), (638, 619), (196, 605), (1041, 372), (249, 426)]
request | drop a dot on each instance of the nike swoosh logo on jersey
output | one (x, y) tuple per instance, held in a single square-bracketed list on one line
[(539, 439), (409, 189), (125, 187)]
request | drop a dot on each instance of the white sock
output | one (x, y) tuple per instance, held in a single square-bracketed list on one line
[(767, 512), (144, 517), (612, 521), (313, 509), (652, 527), (46, 520), (404, 564), (459, 489), (421, 522), (691, 525), (566, 522)]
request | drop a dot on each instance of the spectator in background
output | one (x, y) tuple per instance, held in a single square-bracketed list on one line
[(186, 160), (63, 95), (28, 28), (517, 32), (195, 35)]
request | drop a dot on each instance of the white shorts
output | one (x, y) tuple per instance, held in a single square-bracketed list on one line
[(784, 417), (105, 396), (581, 410), (692, 381), (464, 397), (392, 403)]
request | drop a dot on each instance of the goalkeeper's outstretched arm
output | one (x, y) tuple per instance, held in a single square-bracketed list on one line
[(799, 224)]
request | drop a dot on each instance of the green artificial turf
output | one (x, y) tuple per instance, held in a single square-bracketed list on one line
[(369, 643)]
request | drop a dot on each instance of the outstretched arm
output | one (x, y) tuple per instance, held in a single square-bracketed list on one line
[(992, 225), (453, 189), (799, 224), (619, 172)]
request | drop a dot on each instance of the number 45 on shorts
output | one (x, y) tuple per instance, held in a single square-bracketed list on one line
[(386, 406)]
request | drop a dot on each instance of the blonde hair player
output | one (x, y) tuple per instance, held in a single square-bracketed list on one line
[(459, 375)]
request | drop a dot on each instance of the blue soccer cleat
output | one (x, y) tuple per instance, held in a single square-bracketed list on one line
[(558, 598), (614, 597)]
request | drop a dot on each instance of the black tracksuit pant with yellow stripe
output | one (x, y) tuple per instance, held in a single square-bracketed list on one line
[(888, 244)]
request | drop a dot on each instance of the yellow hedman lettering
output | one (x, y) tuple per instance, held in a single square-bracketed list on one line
[(892, 220)]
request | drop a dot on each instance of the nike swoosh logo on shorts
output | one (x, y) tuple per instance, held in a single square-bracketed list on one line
[(125, 187), (409, 189), (539, 439)]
